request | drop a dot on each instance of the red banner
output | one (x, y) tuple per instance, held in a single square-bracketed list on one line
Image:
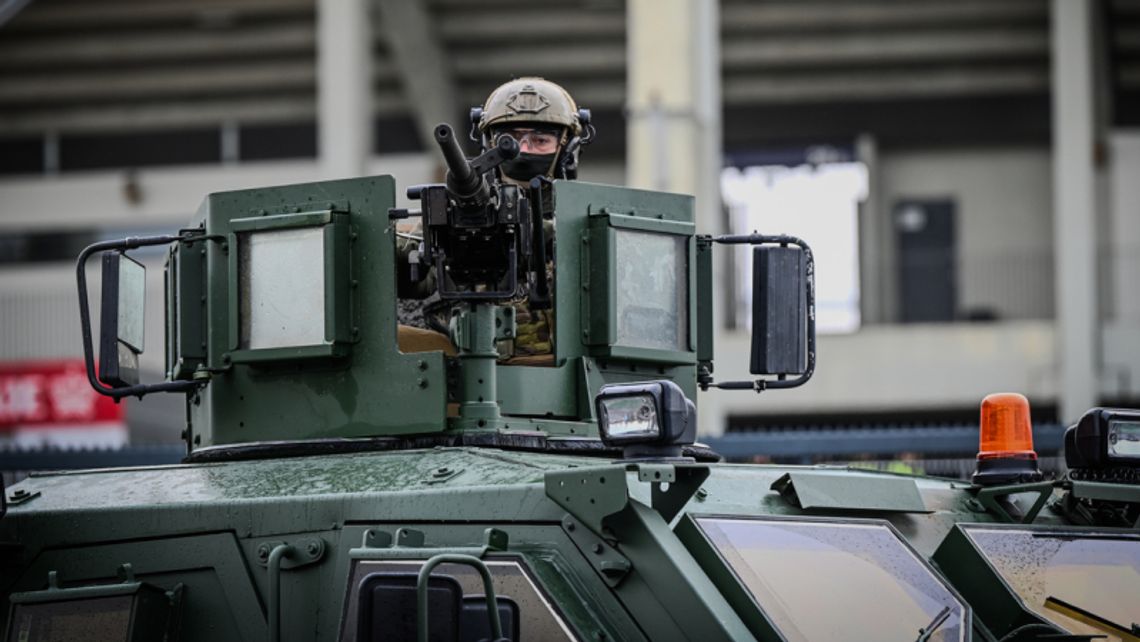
[(51, 392)]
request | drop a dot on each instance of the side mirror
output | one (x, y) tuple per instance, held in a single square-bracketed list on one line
[(123, 309), (779, 311), (121, 318), (783, 312)]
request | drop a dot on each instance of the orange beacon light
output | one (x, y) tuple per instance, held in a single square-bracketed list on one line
[(1005, 450)]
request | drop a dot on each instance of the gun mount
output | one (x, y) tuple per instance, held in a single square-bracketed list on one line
[(476, 229)]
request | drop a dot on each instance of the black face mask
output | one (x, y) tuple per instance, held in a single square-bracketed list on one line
[(526, 166)]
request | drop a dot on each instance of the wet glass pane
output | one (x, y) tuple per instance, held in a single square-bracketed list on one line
[(1124, 438), (836, 581), (629, 416), (132, 301), (652, 290), (282, 280), (1097, 574), (96, 620)]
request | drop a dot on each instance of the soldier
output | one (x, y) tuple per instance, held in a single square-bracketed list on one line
[(546, 122), (550, 129)]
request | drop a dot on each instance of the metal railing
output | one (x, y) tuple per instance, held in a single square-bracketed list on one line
[(866, 444)]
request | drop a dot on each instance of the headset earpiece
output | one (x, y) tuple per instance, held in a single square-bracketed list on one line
[(474, 115)]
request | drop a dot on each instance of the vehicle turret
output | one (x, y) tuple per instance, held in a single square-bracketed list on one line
[(281, 322)]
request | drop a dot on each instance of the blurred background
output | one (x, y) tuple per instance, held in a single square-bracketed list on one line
[(967, 171)]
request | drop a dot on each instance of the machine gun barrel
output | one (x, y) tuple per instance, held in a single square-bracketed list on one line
[(462, 179)]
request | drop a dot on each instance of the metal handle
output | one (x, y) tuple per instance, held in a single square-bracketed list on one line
[(279, 553), (422, 592)]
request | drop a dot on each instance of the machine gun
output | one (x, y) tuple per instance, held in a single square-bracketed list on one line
[(478, 230)]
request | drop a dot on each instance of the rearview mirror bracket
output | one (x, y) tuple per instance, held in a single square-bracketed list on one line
[(806, 273), (123, 383)]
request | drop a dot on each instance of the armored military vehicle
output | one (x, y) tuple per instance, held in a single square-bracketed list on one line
[(350, 479)]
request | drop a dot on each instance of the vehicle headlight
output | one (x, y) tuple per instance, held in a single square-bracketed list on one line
[(654, 413), (1104, 437)]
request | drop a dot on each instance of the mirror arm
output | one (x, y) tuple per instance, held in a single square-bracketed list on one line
[(85, 317), (760, 385)]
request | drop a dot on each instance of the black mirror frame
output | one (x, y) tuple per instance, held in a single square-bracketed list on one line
[(85, 319), (112, 369), (705, 380)]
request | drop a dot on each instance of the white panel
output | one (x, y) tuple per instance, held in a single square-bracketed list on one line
[(132, 303), (652, 293), (282, 277)]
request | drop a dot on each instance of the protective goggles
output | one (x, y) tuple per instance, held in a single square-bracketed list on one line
[(533, 141)]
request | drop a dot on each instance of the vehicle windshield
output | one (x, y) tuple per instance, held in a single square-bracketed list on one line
[(836, 580), (1052, 572)]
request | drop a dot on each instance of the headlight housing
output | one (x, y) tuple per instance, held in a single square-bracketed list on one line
[(1104, 438), (648, 419)]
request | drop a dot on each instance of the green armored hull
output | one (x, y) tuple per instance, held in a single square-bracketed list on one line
[(580, 548)]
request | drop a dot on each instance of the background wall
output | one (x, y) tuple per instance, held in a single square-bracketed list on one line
[(1004, 221)]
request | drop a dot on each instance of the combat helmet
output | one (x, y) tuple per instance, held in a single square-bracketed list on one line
[(536, 101)]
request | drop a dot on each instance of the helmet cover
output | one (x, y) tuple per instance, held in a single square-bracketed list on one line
[(530, 100)]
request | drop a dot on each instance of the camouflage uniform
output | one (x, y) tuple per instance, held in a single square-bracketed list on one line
[(534, 333), (414, 296)]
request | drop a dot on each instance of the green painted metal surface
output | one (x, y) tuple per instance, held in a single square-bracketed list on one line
[(603, 556), (373, 390), (824, 490)]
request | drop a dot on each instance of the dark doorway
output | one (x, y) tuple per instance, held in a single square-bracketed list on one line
[(925, 238)]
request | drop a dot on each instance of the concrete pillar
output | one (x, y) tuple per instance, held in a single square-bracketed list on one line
[(1074, 215), (874, 228), (674, 116), (673, 100), (344, 87)]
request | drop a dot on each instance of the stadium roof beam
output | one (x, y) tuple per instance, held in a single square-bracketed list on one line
[(421, 61), (9, 9)]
